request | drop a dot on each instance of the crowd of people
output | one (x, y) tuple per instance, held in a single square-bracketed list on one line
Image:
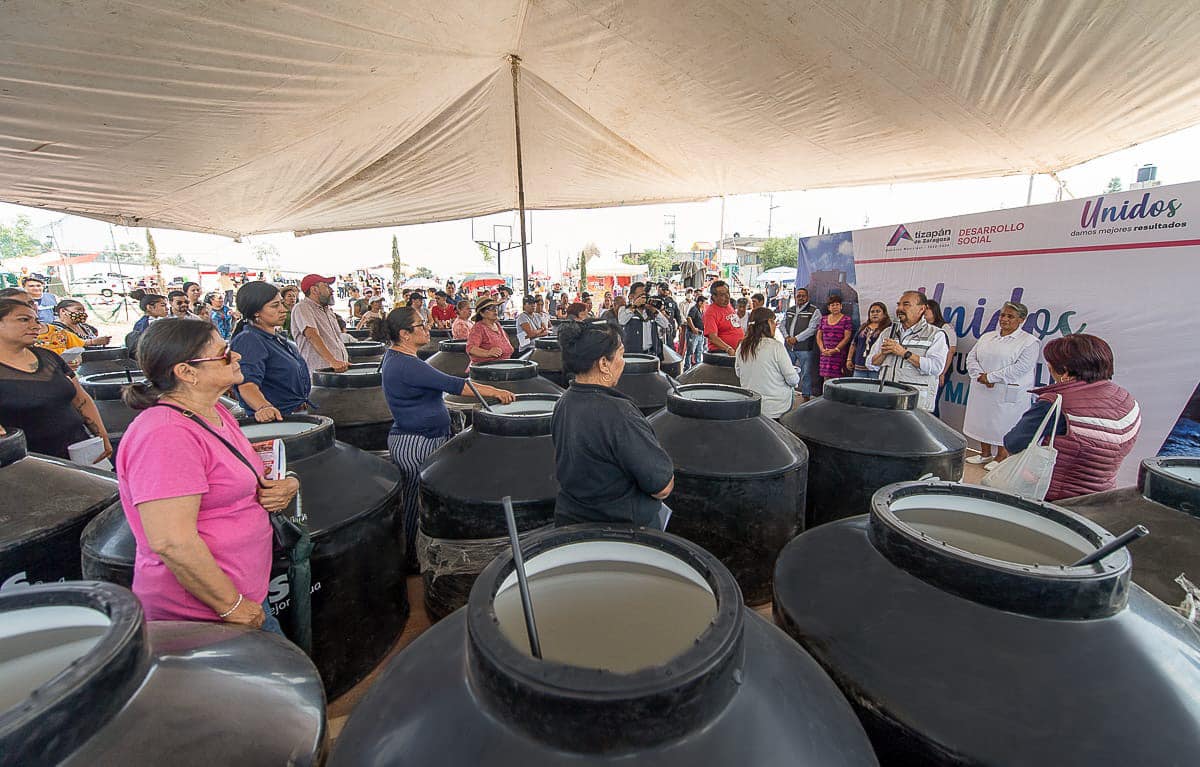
[(196, 496)]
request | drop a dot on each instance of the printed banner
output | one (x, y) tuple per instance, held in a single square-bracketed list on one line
[(1123, 266)]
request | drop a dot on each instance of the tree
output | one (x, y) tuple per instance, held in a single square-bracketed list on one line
[(152, 255), (589, 252), (659, 262), (266, 254), (397, 266), (1114, 184), (424, 272), (778, 251), (16, 241), (488, 254)]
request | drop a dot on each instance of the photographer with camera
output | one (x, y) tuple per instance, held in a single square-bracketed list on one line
[(643, 322)]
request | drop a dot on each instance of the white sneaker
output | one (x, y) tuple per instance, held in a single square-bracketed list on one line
[(991, 466), (978, 459)]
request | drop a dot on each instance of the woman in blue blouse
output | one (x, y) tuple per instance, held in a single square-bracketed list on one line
[(413, 389), (276, 378)]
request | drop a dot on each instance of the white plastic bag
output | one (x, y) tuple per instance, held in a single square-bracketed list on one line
[(1028, 473)]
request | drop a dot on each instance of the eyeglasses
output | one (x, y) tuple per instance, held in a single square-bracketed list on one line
[(227, 356)]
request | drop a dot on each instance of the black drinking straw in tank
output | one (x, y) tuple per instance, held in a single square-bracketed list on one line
[(535, 647), (479, 396), (1124, 539)]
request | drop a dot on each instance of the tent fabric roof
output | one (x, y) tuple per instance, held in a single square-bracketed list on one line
[(319, 115)]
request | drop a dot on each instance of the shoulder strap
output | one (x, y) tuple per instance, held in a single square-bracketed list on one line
[(204, 424)]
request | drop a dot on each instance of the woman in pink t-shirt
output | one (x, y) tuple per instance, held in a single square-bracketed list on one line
[(487, 340), (198, 512)]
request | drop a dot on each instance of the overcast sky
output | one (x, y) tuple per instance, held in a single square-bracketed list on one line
[(449, 248)]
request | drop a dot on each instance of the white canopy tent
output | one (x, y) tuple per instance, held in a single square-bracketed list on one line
[(317, 115), (607, 266)]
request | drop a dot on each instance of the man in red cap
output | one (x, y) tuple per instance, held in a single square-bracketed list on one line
[(315, 326)]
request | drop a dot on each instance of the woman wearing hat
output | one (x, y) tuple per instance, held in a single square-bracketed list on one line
[(487, 340)]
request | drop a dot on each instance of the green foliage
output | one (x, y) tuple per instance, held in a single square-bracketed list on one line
[(397, 265), (659, 262), (1114, 184), (778, 251), (424, 272), (487, 253), (152, 258), (17, 242), (266, 254)]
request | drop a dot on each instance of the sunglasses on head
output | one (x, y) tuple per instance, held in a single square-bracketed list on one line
[(227, 356)]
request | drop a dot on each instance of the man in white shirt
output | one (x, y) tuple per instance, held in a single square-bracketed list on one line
[(315, 326)]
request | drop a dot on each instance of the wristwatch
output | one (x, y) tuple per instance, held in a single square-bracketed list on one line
[(907, 354)]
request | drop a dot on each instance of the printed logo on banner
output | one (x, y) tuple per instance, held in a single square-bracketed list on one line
[(977, 235), (919, 238), (1146, 214)]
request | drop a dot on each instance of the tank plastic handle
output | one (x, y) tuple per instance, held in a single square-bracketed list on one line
[(1121, 541)]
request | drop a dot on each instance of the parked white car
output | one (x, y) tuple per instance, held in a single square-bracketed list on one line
[(99, 284)]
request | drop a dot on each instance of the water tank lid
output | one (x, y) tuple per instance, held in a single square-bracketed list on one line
[(720, 359), (549, 343), (640, 364), (528, 416), (439, 332), (454, 345), (364, 348), (545, 697), (504, 370), (714, 402), (865, 392), (99, 682), (1173, 481), (102, 353), (999, 550), (12, 447), (363, 375), (108, 386), (302, 435)]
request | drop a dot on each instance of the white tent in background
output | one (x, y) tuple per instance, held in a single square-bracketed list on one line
[(607, 266), (247, 117), (779, 274)]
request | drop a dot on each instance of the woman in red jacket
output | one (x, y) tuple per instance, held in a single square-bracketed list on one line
[(1100, 420)]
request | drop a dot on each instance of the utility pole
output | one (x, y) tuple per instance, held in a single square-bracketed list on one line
[(669, 223), (771, 206)]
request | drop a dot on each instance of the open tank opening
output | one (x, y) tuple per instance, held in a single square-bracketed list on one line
[(714, 395), (513, 365), (621, 607), (38, 643), (525, 407), (992, 529), (1190, 473), (258, 431)]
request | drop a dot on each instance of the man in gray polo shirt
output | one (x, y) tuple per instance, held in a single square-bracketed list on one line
[(315, 327)]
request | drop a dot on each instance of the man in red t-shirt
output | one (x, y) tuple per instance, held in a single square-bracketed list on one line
[(442, 312), (723, 335)]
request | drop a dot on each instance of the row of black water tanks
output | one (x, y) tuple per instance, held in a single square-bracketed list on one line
[(949, 620)]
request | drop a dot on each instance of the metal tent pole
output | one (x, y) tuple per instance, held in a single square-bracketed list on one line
[(516, 68)]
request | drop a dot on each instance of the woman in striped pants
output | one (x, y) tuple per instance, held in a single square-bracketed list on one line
[(420, 420)]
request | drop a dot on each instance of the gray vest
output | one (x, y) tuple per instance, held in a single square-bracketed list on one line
[(797, 322), (917, 340)]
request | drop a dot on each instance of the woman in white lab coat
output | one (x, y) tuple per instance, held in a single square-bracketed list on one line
[(1001, 369)]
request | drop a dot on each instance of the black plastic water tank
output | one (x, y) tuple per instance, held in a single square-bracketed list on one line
[(451, 358), (510, 329), (352, 499), (1167, 501), (861, 437), (354, 400), (508, 451), (365, 351), (436, 336), (650, 658), (85, 680), (739, 479), (547, 353), (952, 619), (360, 334), (106, 388), (105, 359), (716, 368), (47, 503), (644, 382), (516, 376)]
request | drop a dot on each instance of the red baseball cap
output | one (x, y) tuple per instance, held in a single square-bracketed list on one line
[(312, 279)]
